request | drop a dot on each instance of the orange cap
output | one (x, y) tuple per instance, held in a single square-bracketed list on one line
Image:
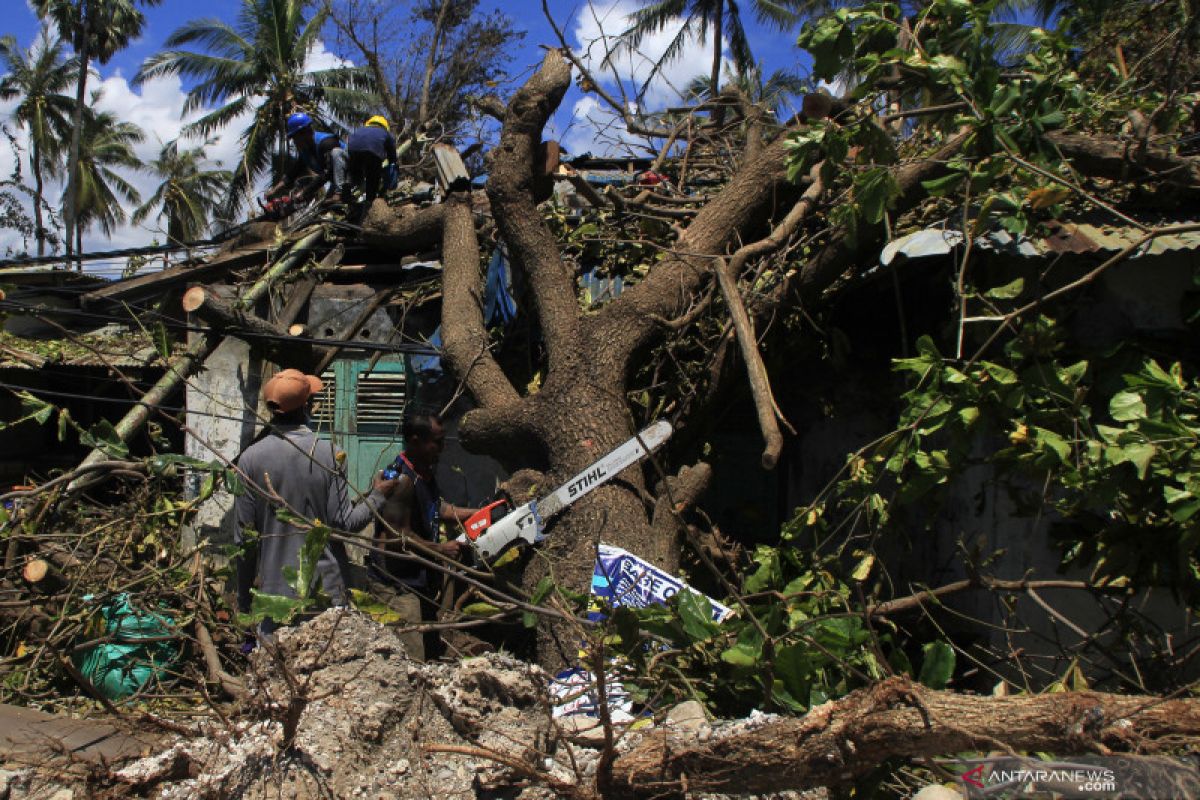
[(290, 389)]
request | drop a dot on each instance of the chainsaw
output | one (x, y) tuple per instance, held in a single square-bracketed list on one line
[(497, 525), (279, 207)]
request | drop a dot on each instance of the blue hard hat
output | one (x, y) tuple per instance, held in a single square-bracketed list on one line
[(298, 122)]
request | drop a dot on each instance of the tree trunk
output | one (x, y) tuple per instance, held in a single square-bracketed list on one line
[(35, 166), (431, 63), (70, 204), (844, 740), (718, 113)]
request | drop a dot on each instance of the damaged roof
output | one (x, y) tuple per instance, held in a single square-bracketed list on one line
[(1089, 235)]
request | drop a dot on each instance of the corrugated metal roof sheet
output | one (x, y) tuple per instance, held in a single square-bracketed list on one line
[(1084, 236)]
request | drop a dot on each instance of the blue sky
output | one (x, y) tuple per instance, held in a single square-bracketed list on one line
[(581, 123)]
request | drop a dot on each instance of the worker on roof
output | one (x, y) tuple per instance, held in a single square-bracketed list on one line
[(368, 148), (320, 158)]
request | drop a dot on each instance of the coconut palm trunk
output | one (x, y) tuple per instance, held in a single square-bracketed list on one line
[(70, 202), (715, 76), (39, 225)]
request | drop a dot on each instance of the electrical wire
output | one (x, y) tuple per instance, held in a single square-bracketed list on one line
[(175, 325), (220, 238), (15, 387)]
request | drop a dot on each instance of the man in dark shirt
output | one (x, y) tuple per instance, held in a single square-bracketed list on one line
[(414, 511), (367, 149), (291, 469), (319, 155)]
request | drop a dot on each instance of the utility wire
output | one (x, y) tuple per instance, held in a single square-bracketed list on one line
[(16, 387), (173, 324), (220, 238)]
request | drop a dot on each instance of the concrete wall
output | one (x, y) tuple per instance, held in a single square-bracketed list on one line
[(223, 414), (849, 407)]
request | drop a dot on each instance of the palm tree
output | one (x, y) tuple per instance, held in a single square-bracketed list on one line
[(38, 77), (258, 67), (96, 29), (699, 16), (769, 94), (104, 143), (188, 194)]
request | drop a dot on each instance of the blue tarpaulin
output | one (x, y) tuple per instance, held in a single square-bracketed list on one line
[(499, 308)]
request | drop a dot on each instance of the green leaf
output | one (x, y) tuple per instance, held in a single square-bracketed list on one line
[(103, 437), (480, 610), (277, 607), (1073, 374), (794, 669), (940, 187), (1127, 406), (937, 664), (748, 650), (875, 191), (1049, 440), (696, 616), (233, 482), (1185, 511), (542, 590), (1139, 454), (1002, 375), (863, 568), (1008, 291), (310, 553), (162, 340), (768, 574)]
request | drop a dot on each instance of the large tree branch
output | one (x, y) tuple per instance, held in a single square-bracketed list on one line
[(843, 740), (511, 191), (406, 230), (748, 201), (843, 250), (464, 334), (727, 275), (1116, 160)]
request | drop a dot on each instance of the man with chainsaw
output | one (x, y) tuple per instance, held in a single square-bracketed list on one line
[(320, 156), (367, 149), (414, 511)]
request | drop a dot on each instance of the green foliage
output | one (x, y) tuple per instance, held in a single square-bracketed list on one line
[(1007, 166), (799, 640), (302, 578), (1108, 444)]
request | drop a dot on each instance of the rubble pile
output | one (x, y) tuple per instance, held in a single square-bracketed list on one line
[(337, 709)]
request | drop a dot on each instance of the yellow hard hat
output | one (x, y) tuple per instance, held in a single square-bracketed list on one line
[(381, 122)]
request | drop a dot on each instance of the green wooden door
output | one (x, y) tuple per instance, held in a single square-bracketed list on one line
[(361, 411)]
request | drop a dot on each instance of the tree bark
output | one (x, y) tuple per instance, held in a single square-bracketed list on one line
[(70, 204), (846, 739), (39, 225), (273, 342), (1105, 158), (404, 231)]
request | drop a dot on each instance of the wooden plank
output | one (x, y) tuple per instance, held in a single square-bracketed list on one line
[(303, 288), (34, 737), (156, 282)]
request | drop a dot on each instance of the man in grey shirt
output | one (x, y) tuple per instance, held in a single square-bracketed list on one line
[(290, 468)]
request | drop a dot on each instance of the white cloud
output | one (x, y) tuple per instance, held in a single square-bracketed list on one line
[(596, 29), (156, 106)]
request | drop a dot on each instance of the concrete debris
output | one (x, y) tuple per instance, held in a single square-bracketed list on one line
[(338, 709)]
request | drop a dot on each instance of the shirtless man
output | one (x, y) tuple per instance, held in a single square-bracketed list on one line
[(414, 510)]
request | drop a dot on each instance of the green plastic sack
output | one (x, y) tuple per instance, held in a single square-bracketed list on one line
[(121, 667)]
